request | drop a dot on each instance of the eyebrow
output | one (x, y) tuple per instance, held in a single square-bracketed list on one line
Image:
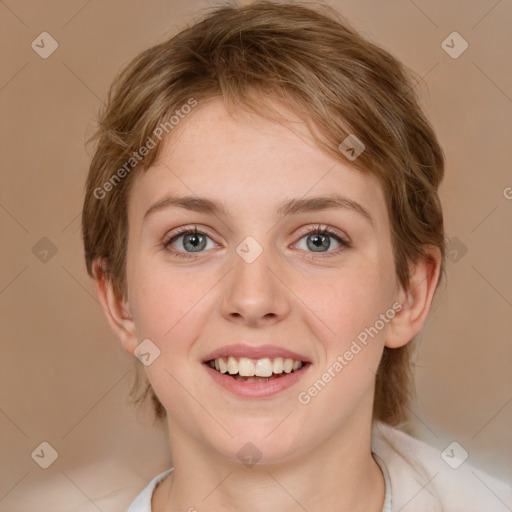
[(290, 207)]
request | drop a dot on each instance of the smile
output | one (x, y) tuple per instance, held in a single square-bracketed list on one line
[(255, 370), (255, 378)]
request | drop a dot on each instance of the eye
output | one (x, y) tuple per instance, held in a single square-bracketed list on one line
[(193, 240), (188, 241), (318, 240)]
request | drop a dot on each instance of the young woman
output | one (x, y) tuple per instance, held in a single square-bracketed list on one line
[(263, 225)]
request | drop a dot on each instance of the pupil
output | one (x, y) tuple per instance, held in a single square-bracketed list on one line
[(319, 241), (197, 243)]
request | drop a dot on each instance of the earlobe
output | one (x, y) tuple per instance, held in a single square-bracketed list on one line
[(117, 309), (416, 300)]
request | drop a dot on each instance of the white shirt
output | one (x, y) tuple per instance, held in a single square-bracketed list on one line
[(417, 478)]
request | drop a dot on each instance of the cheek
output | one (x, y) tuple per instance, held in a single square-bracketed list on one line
[(347, 302), (167, 310), (350, 309), (163, 301)]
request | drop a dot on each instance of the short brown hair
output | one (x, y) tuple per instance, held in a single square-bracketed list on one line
[(312, 61)]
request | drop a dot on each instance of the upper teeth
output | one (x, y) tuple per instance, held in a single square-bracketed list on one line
[(246, 367)]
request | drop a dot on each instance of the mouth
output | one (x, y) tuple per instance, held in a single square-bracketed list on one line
[(255, 370), (256, 378)]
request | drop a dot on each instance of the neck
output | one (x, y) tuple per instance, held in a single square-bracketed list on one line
[(340, 474)]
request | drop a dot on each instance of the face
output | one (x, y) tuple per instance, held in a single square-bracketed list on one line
[(272, 272)]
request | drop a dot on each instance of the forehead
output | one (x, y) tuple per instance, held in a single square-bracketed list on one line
[(246, 161)]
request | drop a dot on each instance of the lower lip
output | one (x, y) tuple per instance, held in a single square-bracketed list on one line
[(257, 389)]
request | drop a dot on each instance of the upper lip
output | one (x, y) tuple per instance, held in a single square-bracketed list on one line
[(254, 352)]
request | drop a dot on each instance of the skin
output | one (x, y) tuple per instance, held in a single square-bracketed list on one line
[(316, 456)]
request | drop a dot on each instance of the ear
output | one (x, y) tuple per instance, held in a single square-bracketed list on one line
[(415, 299), (117, 309)]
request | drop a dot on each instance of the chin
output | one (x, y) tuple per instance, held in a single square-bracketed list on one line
[(258, 444)]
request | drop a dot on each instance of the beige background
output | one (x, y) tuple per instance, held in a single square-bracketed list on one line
[(65, 378)]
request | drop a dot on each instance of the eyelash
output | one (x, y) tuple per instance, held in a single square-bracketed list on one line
[(317, 230)]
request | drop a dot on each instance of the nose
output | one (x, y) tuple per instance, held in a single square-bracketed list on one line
[(254, 295)]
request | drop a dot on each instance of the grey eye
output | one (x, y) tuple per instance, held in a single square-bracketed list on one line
[(321, 241), (190, 240), (194, 242), (317, 242)]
